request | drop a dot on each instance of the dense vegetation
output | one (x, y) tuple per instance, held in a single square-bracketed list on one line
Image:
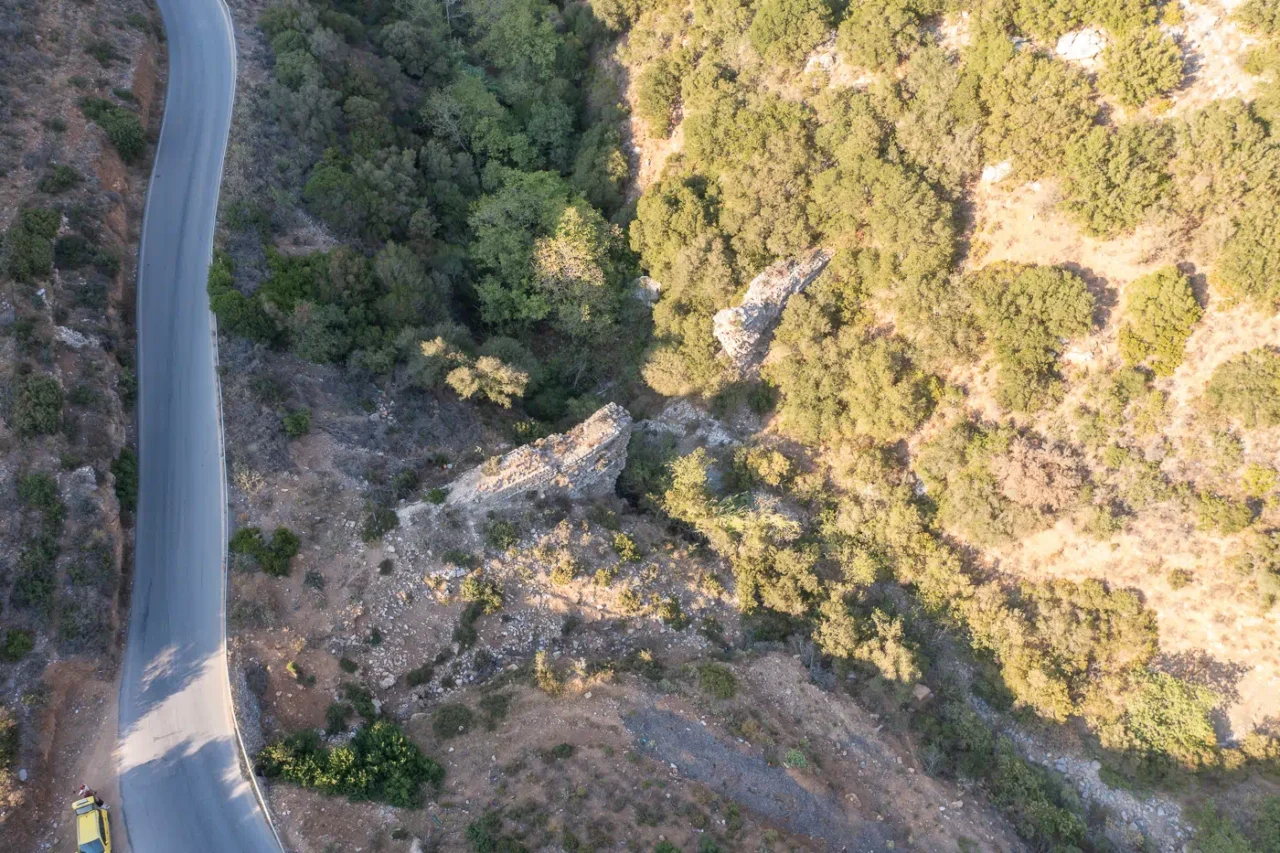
[(473, 166)]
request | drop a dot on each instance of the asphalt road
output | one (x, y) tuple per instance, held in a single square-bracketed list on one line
[(181, 785)]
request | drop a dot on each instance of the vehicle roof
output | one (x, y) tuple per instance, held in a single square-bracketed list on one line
[(87, 827)]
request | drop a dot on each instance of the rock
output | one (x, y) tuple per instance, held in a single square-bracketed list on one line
[(583, 462), (388, 682), (921, 692), (416, 846), (22, 775), (745, 331), (72, 338), (646, 289), (1081, 45), (997, 172)]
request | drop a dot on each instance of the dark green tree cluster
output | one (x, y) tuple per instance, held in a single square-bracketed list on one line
[(474, 161), (1026, 314), (36, 578), (379, 764), (1144, 65), (30, 243)]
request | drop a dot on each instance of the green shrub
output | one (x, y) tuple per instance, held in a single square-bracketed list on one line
[(495, 707), (485, 835), (436, 495), (125, 471), (483, 592), (103, 51), (1145, 65), (378, 521), (380, 764), (1246, 388), (335, 718), (37, 405), (450, 720), (1260, 16), (17, 645), (626, 549), (272, 557), (1026, 313), (717, 681), (59, 179), (419, 675), (123, 130), (1160, 311), (297, 424), (1115, 177), (31, 243), (1179, 579), (1222, 514), (1249, 265), (501, 534), (783, 32)]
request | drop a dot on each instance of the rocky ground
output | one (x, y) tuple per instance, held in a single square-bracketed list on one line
[(74, 324)]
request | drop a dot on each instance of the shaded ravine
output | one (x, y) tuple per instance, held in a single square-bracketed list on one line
[(181, 783)]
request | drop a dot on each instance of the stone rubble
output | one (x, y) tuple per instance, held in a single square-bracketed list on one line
[(582, 463), (745, 331)]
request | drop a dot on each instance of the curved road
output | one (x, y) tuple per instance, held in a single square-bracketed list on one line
[(181, 785)]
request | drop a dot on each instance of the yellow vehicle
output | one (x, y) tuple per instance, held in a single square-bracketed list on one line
[(93, 826)]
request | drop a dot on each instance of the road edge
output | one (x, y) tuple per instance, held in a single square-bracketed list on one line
[(246, 763)]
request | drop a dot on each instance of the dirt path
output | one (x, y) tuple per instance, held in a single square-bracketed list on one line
[(696, 753)]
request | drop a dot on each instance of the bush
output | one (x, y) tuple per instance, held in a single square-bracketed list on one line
[(501, 534), (564, 571), (717, 681), (626, 549), (1038, 108), (1145, 65), (450, 720), (60, 179), (272, 557), (783, 32), (125, 471), (658, 93), (380, 764), (1115, 177), (37, 407), (483, 592), (1249, 264), (1246, 388), (335, 718), (419, 676), (1260, 16), (17, 645), (121, 126), (876, 34), (31, 243), (378, 521), (1222, 514), (297, 424), (1159, 313), (1026, 313)]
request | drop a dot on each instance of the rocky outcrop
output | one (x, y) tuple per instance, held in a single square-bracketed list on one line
[(582, 463), (647, 290), (1083, 46), (745, 331)]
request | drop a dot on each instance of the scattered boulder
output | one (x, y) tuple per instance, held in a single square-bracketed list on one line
[(996, 172), (646, 289), (1081, 46), (745, 331), (583, 462), (921, 692)]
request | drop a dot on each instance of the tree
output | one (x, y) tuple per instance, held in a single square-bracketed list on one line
[(658, 92), (37, 406), (1221, 154), (1145, 65), (1260, 16), (1115, 177), (1246, 388), (410, 295), (876, 34), (783, 32), (1160, 312), (1026, 313), (1249, 265), (1038, 107)]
